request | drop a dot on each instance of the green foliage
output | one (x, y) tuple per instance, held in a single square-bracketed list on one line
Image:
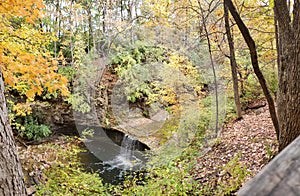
[(200, 138), (271, 77), (77, 100), (230, 108), (28, 124), (66, 177), (206, 115), (271, 153), (252, 89), (87, 133), (34, 131), (140, 83), (30, 128), (139, 54), (232, 177), (237, 175), (136, 88), (148, 72), (167, 180), (87, 75), (124, 60), (170, 126), (67, 180), (68, 71)]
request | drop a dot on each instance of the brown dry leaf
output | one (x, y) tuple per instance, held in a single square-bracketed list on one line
[(253, 137)]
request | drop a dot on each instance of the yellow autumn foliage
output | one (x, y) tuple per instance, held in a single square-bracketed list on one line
[(25, 60)]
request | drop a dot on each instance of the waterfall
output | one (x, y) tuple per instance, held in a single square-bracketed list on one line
[(127, 146), (126, 160)]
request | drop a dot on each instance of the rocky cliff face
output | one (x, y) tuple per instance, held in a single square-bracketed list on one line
[(137, 119), (60, 116)]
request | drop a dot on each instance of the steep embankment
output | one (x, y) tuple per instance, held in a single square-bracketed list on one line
[(251, 140)]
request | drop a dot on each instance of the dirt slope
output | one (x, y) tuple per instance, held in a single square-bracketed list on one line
[(252, 139)]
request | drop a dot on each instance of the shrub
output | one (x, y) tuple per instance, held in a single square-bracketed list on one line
[(68, 71), (31, 130), (164, 180), (26, 121), (237, 175)]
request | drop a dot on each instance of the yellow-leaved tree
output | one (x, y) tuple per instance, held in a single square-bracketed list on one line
[(26, 62), (27, 66)]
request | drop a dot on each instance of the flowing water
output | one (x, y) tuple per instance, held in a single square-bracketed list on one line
[(127, 159), (112, 161)]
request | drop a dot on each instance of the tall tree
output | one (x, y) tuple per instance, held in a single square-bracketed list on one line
[(212, 66), (254, 60), (11, 178), (233, 64), (288, 100)]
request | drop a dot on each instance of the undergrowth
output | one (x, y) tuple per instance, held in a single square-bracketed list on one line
[(66, 176)]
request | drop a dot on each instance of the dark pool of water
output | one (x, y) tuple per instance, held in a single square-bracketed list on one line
[(113, 157), (93, 164)]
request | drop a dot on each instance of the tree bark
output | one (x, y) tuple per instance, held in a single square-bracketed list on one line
[(105, 7), (11, 175), (251, 45), (233, 65), (288, 100)]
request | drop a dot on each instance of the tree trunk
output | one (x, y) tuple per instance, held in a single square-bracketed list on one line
[(105, 7), (91, 38), (72, 34), (233, 65), (213, 69), (251, 45), (11, 175), (121, 10), (288, 101)]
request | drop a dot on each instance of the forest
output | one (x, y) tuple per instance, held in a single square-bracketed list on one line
[(145, 97)]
